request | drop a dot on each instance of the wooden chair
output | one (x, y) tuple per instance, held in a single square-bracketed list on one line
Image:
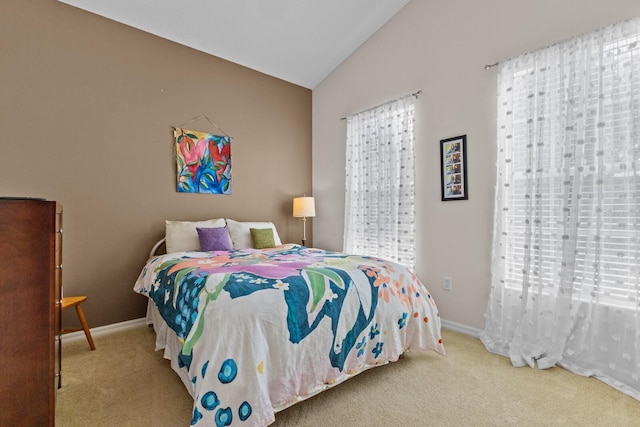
[(75, 302)]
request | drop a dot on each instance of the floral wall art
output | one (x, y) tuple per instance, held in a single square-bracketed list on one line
[(203, 162)]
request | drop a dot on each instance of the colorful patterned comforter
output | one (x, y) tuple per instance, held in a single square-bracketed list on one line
[(264, 329)]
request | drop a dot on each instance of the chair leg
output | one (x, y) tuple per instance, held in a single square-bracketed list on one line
[(85, 327)]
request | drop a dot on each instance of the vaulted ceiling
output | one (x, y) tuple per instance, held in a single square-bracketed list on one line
[(300, 41)]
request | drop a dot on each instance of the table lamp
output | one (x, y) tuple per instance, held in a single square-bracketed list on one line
[(304, 207)]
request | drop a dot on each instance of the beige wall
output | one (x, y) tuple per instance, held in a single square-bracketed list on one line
[(86, 106), (440, 47)]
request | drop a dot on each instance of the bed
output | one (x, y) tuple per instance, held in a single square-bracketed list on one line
[(252, 331)]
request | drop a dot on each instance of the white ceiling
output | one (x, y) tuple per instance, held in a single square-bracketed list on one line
[(300, 41)]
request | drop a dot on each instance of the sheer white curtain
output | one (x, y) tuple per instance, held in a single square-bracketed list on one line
[(380, 190), (565, 285)]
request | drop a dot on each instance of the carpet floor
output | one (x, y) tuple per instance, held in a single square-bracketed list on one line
[(125, 383)]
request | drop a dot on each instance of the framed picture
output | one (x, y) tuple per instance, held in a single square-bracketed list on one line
[(453, 166)]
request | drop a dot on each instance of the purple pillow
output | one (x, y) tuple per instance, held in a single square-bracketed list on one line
[(214, 239)]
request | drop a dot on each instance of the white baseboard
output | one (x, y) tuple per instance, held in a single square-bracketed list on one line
[(459, 327), (105, 330), (136, 323)]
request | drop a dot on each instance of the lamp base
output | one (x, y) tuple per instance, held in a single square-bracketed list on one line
[(304, 242)]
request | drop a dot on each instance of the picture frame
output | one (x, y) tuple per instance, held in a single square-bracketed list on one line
[(453, 168)]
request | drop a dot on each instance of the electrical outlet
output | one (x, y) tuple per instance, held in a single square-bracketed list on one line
[(446, 283)]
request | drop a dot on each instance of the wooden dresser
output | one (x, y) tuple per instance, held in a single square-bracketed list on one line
[(30, 280)]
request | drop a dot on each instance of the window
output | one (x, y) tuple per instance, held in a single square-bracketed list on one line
[(380, 187), (570, 154)]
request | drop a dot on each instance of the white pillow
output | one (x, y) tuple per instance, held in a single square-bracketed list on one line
[(182, 235), (241, 236)]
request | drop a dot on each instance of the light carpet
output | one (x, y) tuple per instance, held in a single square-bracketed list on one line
[(125, 383)]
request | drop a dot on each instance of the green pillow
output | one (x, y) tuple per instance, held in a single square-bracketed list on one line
[(262, 238)]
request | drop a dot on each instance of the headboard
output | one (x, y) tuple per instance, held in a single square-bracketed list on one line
[(158, 249)]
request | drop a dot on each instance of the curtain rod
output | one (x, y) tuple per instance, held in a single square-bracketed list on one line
[(416, 94), (558, 42)]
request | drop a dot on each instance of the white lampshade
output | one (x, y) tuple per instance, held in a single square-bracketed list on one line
[(304, 207)]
